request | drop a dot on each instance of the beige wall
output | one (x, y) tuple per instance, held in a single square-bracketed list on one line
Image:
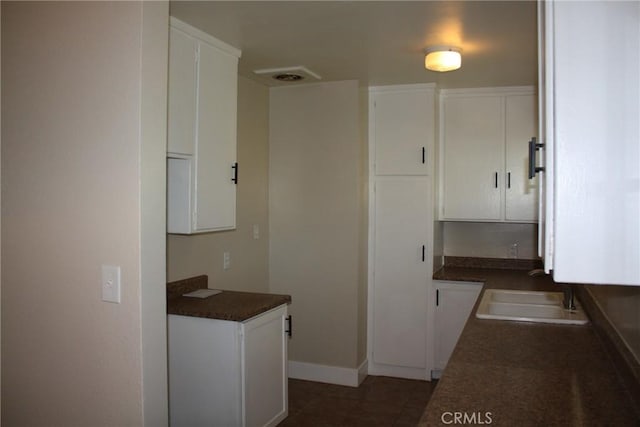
[(189, 256), (315, 213), (0, 225), (71, 202), (153, 190), (364, 225), (490, 240)]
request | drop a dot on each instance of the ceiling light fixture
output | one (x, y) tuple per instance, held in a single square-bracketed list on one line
[(442, 58)]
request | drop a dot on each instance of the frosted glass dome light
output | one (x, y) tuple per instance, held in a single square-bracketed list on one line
[(442, 59)]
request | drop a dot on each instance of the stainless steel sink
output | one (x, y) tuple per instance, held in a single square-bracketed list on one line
[(528, 306)]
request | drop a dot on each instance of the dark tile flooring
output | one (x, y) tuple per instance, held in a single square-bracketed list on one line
[(379, 401)]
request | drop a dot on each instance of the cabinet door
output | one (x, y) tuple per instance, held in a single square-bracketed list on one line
[(265, 369), (216, 142), (204, 372), (403, 131), (521, 193), (179, 185), (401, 271), (473, 132), (597, 142), (545, 128), (182, 93), (454, 303)]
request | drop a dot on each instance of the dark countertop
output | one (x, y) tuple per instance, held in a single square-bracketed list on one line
[(228, 305), (527, 374)]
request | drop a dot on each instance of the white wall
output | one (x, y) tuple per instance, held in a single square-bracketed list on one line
[(203, 253), (490, 240), (315, 208), (73, 126)]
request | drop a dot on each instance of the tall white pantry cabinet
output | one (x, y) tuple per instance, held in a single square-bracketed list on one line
[(202, 171), (401, 138)]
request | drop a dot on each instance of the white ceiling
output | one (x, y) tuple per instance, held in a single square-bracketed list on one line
[(377, 43)]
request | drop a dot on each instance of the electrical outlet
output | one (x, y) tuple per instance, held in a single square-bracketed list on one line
[(226, 261), (111, 283), (513, 251)]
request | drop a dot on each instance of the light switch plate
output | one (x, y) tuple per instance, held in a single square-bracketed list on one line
[(226, 261), (111, 283)]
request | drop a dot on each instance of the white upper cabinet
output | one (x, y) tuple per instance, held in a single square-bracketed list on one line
[(483, 155), (216, 143), (403, 123), (473, 135), (202, 171), (591, 63), (182, 92)]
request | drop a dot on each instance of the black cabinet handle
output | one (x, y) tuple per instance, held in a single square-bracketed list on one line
[(508, 179), (437, 297), (235, 173), (289, 330), (424, 154), (533, 147), (496, 179), (423, 253)]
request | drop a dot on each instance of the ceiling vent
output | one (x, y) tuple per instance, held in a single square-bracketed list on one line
[(288, 74)]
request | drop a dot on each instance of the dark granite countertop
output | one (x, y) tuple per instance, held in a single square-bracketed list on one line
[(228, 305), (527, 374)]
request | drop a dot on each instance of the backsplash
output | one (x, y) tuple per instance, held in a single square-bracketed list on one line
[(615, 313), (490, 240), (621, 304), (495, 263)]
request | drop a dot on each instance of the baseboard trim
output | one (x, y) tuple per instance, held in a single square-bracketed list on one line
[(399, 372), (352, 377)]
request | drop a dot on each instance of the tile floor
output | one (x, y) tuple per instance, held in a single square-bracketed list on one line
[(379, 401)]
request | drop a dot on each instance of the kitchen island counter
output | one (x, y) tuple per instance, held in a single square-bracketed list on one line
[(506, 373)]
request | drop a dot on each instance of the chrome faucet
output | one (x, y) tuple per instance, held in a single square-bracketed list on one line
[(568, 301)]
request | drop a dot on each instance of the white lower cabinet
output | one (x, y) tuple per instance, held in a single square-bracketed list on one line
[(225, 373), (453, 304)]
